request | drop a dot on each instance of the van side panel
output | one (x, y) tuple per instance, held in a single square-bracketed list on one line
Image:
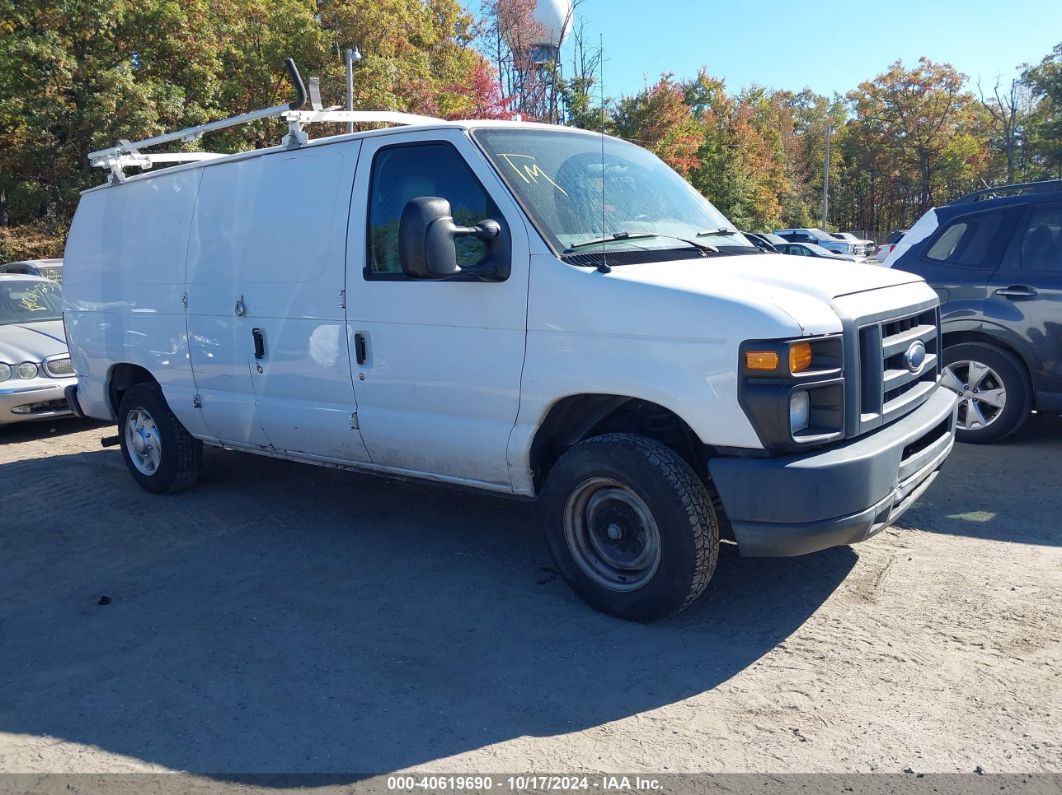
[(123, 285), (269, 235)]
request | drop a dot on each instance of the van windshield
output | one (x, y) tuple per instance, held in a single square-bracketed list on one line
[(588, 192), (29, 301)]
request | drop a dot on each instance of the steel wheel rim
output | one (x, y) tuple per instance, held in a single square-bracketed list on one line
[(612, 534), (142, 442), (982, 396)]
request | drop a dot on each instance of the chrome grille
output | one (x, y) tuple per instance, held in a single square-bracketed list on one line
[(59, 367), (890, 386)]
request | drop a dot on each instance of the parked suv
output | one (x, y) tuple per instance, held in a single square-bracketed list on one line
[(528, 309), (818, 238), (995, 259)]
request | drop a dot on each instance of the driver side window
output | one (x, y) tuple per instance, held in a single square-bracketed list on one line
[(411, 171)]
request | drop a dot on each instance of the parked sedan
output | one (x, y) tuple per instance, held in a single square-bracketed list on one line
[(813, 250), (35, 365), (47, 268)]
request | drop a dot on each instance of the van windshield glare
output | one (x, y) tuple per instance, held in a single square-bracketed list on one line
[(577, 188)]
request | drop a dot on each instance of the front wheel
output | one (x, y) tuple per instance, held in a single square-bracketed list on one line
[(993, 389), (160, 454), (631, 527)]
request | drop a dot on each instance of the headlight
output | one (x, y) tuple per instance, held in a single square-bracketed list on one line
[(27, 370), (792, 390), (799, 412), (5, 371)]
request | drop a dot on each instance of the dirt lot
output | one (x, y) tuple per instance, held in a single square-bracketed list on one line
[(285, 618)]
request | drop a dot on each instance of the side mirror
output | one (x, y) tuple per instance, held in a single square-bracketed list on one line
[(427, 247)]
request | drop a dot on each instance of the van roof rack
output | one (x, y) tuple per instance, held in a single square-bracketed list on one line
[(1017, 189), (128, 153)]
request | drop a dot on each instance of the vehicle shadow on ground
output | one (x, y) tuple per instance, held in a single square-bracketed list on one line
[(15, 433), (289, 619), (1007, 491)]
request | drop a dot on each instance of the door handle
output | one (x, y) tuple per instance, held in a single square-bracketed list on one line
[(1017, 291), (259, 343), (360, 348)]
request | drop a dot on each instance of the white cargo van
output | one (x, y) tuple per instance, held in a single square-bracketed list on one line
[(528, 309)]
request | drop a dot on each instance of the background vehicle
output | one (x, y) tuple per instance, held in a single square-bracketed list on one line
[(889, 246), (995, 259), (46, 268), (763, 242), (863, 247), (818, 237), (35, 367), (815, 250), (466, 309)]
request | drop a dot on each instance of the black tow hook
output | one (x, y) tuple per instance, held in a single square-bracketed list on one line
[(110, 441)]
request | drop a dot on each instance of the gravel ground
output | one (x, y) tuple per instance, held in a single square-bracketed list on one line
[(287, 618)]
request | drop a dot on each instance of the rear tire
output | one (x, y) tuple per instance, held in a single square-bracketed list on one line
[(995, 396), (160, 454), (631, 526)]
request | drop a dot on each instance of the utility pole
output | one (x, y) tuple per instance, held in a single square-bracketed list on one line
[(352, 57), (826, 177)]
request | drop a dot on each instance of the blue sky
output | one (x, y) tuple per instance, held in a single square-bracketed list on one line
[(827, 46)]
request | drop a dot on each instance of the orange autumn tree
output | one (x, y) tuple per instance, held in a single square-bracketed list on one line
[(660, 120)]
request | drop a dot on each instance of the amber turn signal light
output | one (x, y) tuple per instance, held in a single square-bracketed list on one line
[(799, 357), (761, 360)]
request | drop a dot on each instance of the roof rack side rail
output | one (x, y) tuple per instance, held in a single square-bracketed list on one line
[(127, 153), (1018, 188)]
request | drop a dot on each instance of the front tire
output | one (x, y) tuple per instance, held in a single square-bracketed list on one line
[(160, 454), (631, 527), (995, 397)]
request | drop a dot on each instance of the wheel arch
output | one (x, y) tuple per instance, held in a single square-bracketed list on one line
[(573, 418), (997, 336), (121, 377)]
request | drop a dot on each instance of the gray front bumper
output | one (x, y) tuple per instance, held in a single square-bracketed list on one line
[(793, 505), (15, 395)]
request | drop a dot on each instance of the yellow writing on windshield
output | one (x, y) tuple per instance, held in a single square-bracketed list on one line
[(530, 172), (31, 300)]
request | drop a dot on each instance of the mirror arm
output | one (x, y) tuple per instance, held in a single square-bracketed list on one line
[(486, 231)]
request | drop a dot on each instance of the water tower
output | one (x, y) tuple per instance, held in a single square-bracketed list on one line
[(535, 40), (553, 20)]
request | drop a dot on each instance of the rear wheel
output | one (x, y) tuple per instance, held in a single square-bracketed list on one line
[(630, 526), (160, 454), (993, 389)]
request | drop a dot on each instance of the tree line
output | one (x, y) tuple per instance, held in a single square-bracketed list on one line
[(78, 75), (910, 138)]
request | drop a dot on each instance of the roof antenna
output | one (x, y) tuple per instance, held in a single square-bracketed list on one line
[(603, 267), (297, 84)]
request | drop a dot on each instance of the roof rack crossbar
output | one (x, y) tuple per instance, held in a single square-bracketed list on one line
[(127, 153), (1018, 188)]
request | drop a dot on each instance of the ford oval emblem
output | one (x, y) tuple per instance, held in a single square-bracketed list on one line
[(915, 356)]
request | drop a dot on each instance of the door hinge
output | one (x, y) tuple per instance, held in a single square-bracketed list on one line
[(354, 426), (342, 299), (196, 402), (184, 300)]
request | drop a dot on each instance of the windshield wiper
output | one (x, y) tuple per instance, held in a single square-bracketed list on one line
[(609, 239), (704, 248)]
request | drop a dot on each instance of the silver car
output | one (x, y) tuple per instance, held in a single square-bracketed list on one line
[(48, 268), (35, 366)]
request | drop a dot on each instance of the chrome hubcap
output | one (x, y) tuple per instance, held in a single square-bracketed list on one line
[(982, 397), (612, 534), (142, 442)]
